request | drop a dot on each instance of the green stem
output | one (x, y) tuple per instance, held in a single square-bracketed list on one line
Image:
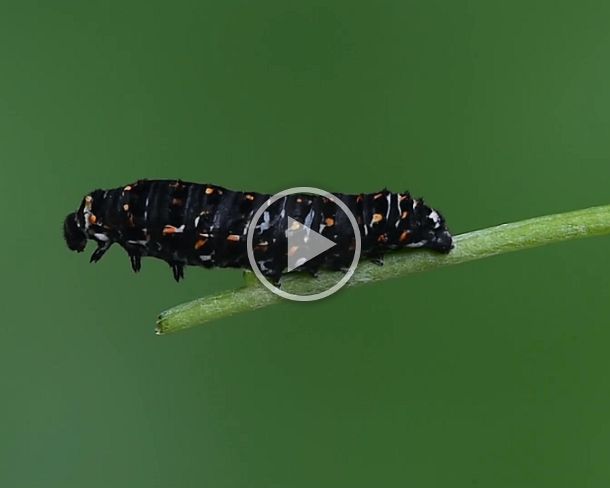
[(479, 244)]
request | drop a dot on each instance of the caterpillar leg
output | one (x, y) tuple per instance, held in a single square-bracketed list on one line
[(272, 270), (311, 267), (275, 279), (102, 247), (177, 270), (136, 261), (313, 272)]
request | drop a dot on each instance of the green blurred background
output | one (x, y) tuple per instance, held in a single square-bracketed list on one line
[(494, 373)]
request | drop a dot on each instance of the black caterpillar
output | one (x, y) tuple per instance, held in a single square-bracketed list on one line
[(205, 225)]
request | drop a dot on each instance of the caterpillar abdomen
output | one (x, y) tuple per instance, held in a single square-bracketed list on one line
[(206, 225)]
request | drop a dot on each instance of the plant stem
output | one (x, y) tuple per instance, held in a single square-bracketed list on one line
[(479, 244)]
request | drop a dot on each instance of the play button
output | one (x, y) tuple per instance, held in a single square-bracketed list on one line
[(286, 241), (304, 244)]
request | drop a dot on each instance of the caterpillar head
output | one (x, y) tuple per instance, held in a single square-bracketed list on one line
[(75, 236)]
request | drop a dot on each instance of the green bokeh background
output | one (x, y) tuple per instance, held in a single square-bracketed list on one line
[(494, 373)]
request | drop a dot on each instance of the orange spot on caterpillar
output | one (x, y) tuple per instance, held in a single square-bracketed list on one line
[(200, 243), (378, 195), (169, 230), (233, 237), (126, 207), (209, 190), (402, 197), (329, 221), (404, 215), (382, 238), (404, 236), (377, 218), (127, 188), (92, 219), (249, 197), (177, 201)]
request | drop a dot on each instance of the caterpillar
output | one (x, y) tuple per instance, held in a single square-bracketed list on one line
[(205, 225)]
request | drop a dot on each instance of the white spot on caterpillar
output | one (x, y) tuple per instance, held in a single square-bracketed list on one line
[(87, 210), (309, 218), (101, 237), (146, 210), (389, 200), (398, 211), (265, 225), (435, 218)]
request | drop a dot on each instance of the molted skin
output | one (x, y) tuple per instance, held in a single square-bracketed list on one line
[(206, 225)]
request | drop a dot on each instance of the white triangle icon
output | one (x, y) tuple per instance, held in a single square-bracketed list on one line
[(304, 244)]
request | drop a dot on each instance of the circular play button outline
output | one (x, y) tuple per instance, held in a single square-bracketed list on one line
[(254, 264)]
